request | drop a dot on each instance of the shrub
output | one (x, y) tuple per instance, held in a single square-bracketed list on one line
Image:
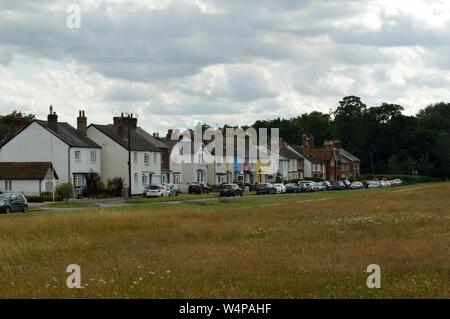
[(114, 187), (92, 183), (48, 197), (65, 190), (34, 199)]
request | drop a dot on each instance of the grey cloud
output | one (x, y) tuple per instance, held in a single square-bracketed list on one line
[(149, 57)]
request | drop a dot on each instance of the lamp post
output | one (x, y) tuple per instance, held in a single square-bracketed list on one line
[(129, 155)]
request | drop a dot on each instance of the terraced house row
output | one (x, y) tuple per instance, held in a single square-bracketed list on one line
[(47, 152)]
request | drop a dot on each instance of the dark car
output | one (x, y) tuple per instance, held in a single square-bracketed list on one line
[(13, 203), (306, 186), (198, 188), (293, 188), (228, 190), (338, 186), (265, 188)]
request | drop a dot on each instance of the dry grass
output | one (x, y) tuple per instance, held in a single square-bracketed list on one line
[(290, 246)]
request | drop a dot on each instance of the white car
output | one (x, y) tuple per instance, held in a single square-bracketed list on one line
[(280, 188), (156, 191), (318, 186), (173, 188), (356, 185), (384, 184), (373, 184), (398, 182)]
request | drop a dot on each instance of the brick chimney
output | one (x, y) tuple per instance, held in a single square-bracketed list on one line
[(52, 119), (18, 123), (82, 123), (307, 145), (169, 134), (337, 144), (122, 123)]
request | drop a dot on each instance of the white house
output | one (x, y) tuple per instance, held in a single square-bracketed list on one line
[(145, 153), (73, 155), (185, 163), (29, 178)]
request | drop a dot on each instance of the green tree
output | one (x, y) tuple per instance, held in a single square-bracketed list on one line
[(7, 124)]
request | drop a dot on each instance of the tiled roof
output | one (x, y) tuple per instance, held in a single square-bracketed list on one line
[(324, 154), (288, 153), (25, 170), (69, 135), (313, 159), (140, 140), (149, 137), (351, 157)]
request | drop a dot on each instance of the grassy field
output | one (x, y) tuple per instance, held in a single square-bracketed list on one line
[(181, 197), (70, 204), (286, 246)]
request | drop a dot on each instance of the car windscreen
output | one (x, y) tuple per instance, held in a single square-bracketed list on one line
[(227, 187), (155, 187), (5, 196)]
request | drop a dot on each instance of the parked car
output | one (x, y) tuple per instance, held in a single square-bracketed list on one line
[(198, 188), (327, 185), (356, 185), (173, 188), (293, 188), (398, 182), (156, 191), (318, 186), (384, 184), (338, 185), (230, 190), (281, 189), (306, 186), (13, 203), (347, 183), (265, 188), (373, 184)]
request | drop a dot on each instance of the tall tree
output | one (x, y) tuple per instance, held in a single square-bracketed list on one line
[(7, 124)]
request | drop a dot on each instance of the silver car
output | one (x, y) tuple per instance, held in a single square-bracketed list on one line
[(373, 184), (356, 185)]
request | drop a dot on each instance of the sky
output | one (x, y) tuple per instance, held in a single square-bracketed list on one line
[(176, 63)]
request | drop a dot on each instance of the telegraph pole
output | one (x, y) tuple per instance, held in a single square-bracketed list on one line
[(129, 156), (371, 161)]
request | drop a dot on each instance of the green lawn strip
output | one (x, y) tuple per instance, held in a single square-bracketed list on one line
[(70, 204)]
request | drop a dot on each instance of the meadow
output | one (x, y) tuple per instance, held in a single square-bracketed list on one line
[(284, 246)]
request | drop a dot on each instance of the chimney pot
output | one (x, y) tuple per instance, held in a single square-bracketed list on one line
[(169, 134), (52, 119), (82, 123)]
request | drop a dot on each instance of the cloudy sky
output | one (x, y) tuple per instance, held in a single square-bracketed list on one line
[(174, 63)]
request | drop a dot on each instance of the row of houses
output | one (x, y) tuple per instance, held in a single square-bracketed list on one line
[(45, 153)]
